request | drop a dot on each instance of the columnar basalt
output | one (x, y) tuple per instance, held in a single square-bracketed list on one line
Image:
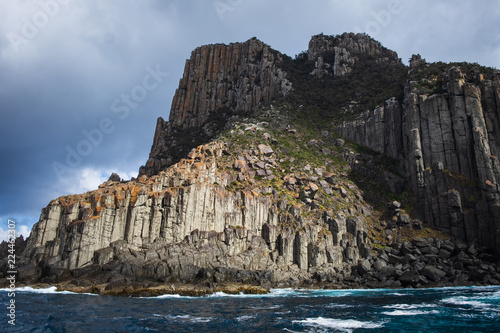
[(186, 219), (449, 142), (379, 129), (219, 81)]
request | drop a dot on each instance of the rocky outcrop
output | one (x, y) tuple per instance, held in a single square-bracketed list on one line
[(188, 221), (219, 81), (336, 55), (427, 262), (449, 143)]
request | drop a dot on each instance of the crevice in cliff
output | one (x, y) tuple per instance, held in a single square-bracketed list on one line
[(128, 223)]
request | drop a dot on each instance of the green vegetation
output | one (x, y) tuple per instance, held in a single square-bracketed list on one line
[(428, 78), (338, 98), (435, 70)]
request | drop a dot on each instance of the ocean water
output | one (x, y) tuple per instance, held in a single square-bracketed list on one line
[(471, 309)]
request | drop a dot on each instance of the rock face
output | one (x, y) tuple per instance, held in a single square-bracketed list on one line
[(219, 81), (271, 202), (379, 129), (449, 142), (184, 223), (337, 55)]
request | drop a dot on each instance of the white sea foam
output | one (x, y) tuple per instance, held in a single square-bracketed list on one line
[(270, 307), (184, 318), (168, 296), (200, 319), (49, 290), (409, 306), (343, 325), (462, 300), (171, 316), (282, 312), (467, 315), (286, 292), (409, 312), (481, 302), (222, 294), (490, 296), (179, 317), (282, 292), (244, 318), (311, 292), (338, 306), (322, 293)]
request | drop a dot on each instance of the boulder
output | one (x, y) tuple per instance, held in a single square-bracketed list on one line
[(265, 150), (409, 277), (433, 273), (378, 265), (364, 267)]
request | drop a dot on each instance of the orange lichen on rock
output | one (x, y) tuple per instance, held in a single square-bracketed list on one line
[(134, 193)]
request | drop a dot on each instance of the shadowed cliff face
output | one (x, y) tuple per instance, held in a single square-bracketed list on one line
[(449, 142), (248, 181), (219, 81)]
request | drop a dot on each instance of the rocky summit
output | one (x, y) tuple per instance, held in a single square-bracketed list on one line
[(339, 168)]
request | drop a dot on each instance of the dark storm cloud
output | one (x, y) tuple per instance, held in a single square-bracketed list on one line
[(71, 71)]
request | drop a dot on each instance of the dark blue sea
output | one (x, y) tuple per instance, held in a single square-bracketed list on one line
[(472, 309)]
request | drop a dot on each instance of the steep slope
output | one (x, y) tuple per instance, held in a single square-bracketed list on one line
[(447, 133), (219, 81), (222, 206), (248, 181)]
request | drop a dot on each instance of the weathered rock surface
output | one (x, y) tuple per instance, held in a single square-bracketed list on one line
[(336, 55), (219, 81), (449, 143), (184, 224)]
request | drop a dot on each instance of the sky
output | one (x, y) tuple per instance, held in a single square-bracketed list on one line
[(82, 82)]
